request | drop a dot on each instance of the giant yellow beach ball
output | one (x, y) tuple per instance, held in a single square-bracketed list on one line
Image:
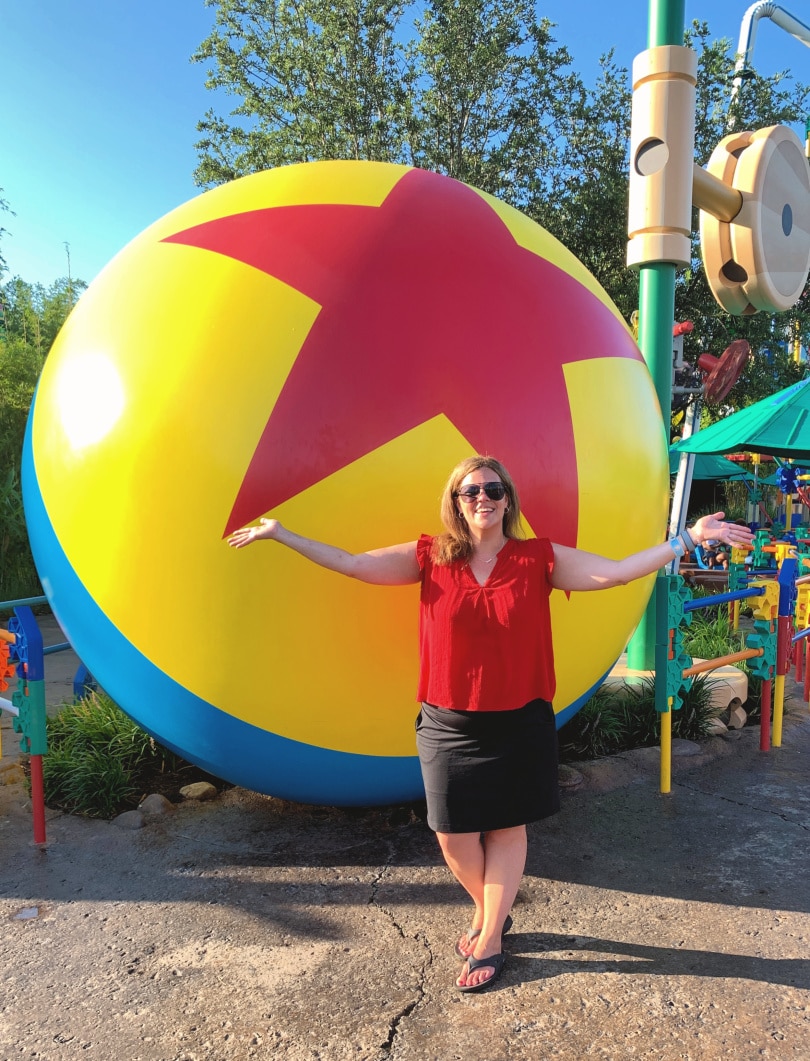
[(322, 343)]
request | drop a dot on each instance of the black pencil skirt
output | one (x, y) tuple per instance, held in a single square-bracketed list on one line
[(488, 769)]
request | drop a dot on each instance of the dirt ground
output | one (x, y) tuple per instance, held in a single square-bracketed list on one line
[(648, 926)]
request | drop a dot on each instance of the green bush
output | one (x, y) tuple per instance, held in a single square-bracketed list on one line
[(620, 719), (98, 759), (597, 729)]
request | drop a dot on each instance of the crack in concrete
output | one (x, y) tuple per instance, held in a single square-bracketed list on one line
[(393, 1029), (745, 805), (395, 1023)]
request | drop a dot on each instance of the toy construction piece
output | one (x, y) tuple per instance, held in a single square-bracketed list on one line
[(755, 240), (721, 373)]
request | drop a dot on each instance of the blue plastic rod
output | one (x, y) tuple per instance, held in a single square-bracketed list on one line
[(722, 598)]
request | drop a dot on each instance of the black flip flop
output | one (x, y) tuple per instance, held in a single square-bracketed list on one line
[(494, 961), (474, 933)]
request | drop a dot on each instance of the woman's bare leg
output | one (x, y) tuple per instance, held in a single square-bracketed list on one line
[(491, 873), (464, 855)]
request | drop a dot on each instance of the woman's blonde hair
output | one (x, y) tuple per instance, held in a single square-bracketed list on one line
[(456, 543)]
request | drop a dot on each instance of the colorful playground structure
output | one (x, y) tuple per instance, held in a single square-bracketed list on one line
[(769, 579), (22, 655)]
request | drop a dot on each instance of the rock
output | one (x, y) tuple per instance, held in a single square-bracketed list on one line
[(28, 913), (737, 718), (200, 790), (130, 819), (717, 728), (568, 777), (644, 758), (11, 774), (681, 747), (156, 804)]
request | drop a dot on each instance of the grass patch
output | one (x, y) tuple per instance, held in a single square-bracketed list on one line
[(710, 635), (100, 762)]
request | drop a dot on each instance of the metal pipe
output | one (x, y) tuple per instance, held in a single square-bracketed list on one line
[(748, 34), (7, 705), (23, 600), (683, 480)]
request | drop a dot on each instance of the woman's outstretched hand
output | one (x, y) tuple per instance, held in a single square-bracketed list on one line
[(267, 528), (714, 528)]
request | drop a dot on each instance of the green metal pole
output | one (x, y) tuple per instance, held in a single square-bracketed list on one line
[(656, 317), (666, 22)]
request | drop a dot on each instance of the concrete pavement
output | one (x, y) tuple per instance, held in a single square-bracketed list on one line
[(648, 926)]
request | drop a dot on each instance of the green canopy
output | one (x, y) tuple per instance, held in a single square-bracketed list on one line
[(779, 425), (707, 466)]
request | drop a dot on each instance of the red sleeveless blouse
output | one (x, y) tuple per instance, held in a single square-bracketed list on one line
[(486, 648)]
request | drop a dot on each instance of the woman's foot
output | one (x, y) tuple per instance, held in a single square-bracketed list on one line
[(466, 945), (479, 973)]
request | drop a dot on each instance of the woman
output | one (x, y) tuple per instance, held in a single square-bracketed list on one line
[(486, 734)]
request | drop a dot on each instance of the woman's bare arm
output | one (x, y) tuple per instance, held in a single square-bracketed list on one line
[(395, 565), (575, 569)]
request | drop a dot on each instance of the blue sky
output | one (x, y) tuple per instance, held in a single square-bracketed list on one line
[(101, 105)]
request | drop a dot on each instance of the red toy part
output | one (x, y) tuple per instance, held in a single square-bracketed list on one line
[(6, 668), (721, 373)]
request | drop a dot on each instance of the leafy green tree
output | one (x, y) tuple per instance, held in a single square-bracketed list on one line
[(312, 80), (585, 206), (19, 370), (20, 365), (32, 316), (472, 88), (35, 313), (491, 91)]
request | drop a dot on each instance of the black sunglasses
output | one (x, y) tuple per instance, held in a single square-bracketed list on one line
[(494, 491)]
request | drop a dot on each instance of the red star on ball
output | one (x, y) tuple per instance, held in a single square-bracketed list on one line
[(428, 306)]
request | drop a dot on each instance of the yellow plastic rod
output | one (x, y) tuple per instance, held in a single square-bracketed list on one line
[(666, 748), (778, 704)]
